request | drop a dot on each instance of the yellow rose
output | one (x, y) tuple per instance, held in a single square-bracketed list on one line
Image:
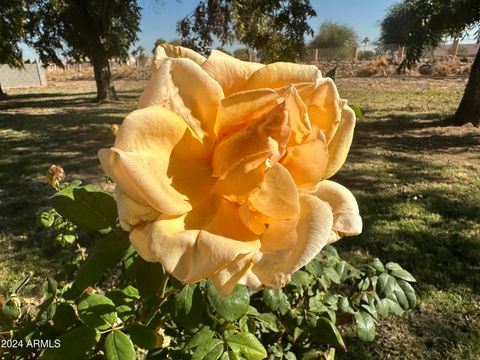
[(221, 172)]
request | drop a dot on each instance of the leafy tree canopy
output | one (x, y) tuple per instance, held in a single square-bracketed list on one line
[(274, 28), (12, 16), (419, 24), (98, 30), (83, 28), (334, 35)]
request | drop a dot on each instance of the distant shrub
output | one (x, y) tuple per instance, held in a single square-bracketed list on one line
[(366, 55)]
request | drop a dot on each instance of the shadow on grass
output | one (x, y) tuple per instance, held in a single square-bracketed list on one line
[(421, 210), (68, 134), (54, 100), (401, 133)]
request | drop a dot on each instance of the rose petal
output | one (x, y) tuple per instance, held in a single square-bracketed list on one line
[(229, 72), (308, 162), (178, 52), (131, 212), (252, 219), (219, 217), (346, 216), (280, 74), (269, 134), (241, 109), (237, 272), (277, 195), (187, 252), (243, 177), (340, 143), (150, 164), (287, 245), (323, 104), (297, 114), (176, 84)]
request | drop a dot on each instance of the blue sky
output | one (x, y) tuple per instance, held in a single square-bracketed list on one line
[(159, 20)]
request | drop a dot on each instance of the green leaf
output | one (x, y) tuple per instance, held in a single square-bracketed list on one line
[(247, 345), (400, 296), (316, 303), (385, 284), (47, 312), (365, 326), (47, 219), (225, 356), (290, 356), (124, 296), (64, 317), (356, 109), (409, 293), (189, 307), (327, 333), (129, 262), (378, 265), (211, 349), (86, 206), (106, 253), (372, 310), (300, 279), (276, 300), (148, 277), (399, 272), (382, 307), (143, 336), (11, 309), (342, 270), (200, 337), (330, 251), (344, 305), (118, 346), (270, 321), (394, 307), (230, 307), (331, 274), (97, 311), (314, 267), (73, 345)]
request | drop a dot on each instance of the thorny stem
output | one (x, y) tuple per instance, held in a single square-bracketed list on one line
[(163, 292), (163, 285)]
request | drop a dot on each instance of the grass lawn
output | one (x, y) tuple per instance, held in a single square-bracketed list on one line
[(417, 183)]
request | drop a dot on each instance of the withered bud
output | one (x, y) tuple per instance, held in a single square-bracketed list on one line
[(163, 340), (114, 129), (55, 174)]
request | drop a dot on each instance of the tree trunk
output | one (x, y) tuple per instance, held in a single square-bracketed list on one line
[(103, 78), (2, 94), (469, 109)]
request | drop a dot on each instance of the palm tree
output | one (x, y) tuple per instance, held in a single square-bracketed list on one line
[(365, 41)]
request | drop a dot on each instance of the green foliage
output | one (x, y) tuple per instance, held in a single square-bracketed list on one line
[(12, 14), (366, 55), (420, 24), (334, 35), (141, 306), (118, 346), (275, 29), (83, 29)]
